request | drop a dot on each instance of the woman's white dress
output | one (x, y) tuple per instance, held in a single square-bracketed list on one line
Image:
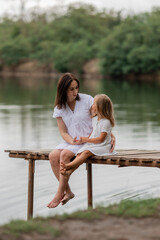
[(99, 149), (78, 123)]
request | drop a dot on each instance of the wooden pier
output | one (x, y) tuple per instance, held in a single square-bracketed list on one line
[(123, 158)]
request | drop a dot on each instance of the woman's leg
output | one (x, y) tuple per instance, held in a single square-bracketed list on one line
[(65, 156), (67, 169), (54, 158)]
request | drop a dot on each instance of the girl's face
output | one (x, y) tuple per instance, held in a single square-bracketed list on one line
[(72, 91), (94, 106)]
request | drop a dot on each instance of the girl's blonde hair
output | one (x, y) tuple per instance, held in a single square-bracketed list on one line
[(105, 107)]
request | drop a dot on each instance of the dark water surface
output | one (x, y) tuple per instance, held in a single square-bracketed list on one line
[(26, 122)]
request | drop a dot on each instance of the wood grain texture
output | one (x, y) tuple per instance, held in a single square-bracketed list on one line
[(124, 157)]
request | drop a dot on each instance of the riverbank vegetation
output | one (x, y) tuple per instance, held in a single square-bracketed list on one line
[(126, 212), (66, 41)]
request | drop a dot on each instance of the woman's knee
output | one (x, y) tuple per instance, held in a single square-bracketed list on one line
[(66, 156), (54, 157)]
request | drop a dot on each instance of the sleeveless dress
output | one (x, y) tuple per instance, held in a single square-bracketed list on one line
[(78, 123), (99, 149)]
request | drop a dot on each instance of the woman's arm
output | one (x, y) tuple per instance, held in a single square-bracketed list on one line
[(99, 139), (92, 112), (64, 133)]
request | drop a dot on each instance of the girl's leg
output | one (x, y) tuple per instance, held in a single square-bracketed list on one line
[(67, 169), (54, 158), (65, 156)]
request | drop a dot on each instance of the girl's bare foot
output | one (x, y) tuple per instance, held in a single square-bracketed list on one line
[(68, 172), (56, 201), (64, 168), (67, 197)]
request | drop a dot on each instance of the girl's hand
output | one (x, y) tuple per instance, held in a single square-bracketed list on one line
[(113, 142), (76, 142)]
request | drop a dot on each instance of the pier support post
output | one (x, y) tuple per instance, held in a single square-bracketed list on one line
[(31, 167), (89, 184)]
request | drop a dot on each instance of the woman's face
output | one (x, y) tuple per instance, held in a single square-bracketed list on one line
[(72, 91)]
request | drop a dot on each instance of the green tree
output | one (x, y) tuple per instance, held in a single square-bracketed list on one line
[(14, 51), (133, 46)]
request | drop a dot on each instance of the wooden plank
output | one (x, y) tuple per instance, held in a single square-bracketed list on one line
[(47, 151), (119, 152), (124, 163), (138, 158), (130, 157)]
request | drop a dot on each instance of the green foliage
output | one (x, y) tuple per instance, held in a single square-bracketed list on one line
[(89, 214), (18, 227), (14, 51), (67, 40), (126, 208), (133, 46), (71, 56), (130, 208)]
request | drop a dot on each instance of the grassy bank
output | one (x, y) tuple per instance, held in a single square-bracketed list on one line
[(127, 208)]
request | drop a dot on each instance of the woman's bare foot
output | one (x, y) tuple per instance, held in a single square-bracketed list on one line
[(56, 201), (67, 197)]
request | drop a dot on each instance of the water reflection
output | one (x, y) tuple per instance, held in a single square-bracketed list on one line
[(26, 122)]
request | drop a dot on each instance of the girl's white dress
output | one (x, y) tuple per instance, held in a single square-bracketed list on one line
[(78, 123), (99, 149)]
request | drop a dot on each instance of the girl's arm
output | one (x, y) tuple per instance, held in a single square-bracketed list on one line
[(99, 139), (113, 142), (64, 133)]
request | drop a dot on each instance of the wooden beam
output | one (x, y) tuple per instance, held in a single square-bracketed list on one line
[(31, 168), (89, 185)]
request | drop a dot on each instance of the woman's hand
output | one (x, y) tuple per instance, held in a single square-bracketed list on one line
[(92, 112), (113, 142), (76, 142)]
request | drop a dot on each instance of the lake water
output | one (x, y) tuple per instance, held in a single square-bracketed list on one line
[(26, 122)]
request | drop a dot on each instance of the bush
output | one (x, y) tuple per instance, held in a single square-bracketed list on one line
[(133, 46), (14, 51)]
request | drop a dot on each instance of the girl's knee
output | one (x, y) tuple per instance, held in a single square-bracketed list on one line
[(87, 153)]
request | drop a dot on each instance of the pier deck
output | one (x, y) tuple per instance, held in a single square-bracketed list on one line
[(123, 158)]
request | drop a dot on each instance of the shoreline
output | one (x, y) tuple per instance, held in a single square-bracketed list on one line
[(128, 220), (144, 78)]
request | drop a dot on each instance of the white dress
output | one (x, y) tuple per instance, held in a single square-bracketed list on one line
[(78, 123), (99, 149)]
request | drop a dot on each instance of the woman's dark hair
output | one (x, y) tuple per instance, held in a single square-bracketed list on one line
[(62, 87)]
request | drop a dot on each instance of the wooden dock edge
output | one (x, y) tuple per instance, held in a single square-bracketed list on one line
[(124, 158)]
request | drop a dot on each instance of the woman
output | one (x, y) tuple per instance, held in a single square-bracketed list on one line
[(73, 113)]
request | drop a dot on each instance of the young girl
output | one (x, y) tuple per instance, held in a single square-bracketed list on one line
[(99, 142)]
